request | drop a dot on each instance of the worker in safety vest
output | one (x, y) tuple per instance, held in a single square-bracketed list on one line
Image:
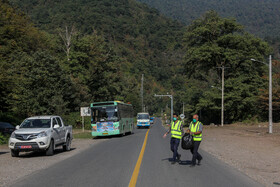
[(195, 129), (176, 129)]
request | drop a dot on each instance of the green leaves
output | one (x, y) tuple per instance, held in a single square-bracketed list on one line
[(212, 42)]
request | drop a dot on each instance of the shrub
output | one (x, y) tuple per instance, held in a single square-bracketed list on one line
[(4, 139), (75, 120)]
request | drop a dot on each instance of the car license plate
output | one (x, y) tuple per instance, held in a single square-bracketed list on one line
[(105, 133), (25, 146)]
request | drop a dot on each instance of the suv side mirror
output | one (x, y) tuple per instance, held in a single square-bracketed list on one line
[(56, 126), (17, 127)]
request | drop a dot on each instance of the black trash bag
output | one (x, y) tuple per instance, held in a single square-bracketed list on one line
[(187, 141)]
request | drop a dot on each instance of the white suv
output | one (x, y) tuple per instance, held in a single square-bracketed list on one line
[(40, 133)]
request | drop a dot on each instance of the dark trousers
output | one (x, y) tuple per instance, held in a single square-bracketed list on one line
[(194, 151), (174, 143)]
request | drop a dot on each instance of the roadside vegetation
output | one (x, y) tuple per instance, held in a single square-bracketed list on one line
[(78, 134), (4, 139), (44, 72)]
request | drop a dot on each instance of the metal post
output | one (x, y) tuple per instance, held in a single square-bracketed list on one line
[(222, 109), (270, 123), (270, 95), (171, 97), (183, 112), (83, 122), (142, 98)]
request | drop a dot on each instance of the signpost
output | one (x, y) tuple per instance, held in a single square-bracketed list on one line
[(182, 116), (85, 111)]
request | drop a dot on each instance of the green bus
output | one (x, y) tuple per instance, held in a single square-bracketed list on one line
[(111, 118)]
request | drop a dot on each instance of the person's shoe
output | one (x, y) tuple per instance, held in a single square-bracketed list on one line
[(199, 162), (173, 162), (179, 157), (192, 166)]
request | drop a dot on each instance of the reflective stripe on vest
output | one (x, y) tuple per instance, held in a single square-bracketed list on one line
[(176, 130), (195, 128)]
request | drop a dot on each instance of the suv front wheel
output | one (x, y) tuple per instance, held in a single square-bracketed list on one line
[(14, 153), (50, 150), (67, 146)]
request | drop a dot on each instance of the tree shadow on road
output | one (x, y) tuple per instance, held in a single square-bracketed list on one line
[(3, 152), (113, 136), (42, 154)]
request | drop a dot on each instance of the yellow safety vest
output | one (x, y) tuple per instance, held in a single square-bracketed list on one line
[(176, 130), (195, 128)]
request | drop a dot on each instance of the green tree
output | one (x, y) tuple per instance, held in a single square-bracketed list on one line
[(42, 87), (212, 42)]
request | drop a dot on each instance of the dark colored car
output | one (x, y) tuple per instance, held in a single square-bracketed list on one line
[(6, 128)]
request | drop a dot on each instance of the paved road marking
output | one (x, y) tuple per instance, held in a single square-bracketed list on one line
[(135, 174)]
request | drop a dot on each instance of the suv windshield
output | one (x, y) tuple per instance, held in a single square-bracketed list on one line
[(36, 123), (143, 116), (104, 113)]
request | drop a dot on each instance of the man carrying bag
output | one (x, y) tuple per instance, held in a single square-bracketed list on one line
[(176, 129), (195, 129)]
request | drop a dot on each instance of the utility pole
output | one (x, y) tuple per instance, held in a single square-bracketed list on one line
[(270, 123), (142, 98), (223, 84), (270, 96), (183, 112), (223, 87), (171, 97)]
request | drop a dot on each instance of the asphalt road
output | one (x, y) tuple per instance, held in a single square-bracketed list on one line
[(112, 162)]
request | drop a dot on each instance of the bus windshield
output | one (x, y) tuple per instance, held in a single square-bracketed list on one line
[(104, 113), (143, 116)]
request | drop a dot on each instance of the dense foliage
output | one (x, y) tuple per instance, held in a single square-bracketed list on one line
[(259, 17), (77, 52), (212, 43)]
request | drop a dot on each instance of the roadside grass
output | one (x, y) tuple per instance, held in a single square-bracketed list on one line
[(79, 134)]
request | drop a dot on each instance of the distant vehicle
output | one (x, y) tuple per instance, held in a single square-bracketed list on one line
[(41, 133), (152, 120), (111, 118), (143, 120), (6, 128)]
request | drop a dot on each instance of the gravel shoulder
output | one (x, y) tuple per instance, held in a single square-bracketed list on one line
[(12, 169), (249, 148)]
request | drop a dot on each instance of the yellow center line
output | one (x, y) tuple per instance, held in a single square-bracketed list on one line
[(135, 174)]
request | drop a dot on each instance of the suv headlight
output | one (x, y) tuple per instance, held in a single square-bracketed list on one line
[(42, 134), (13, 135)]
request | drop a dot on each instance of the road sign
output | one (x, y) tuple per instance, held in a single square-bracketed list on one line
[(85, 111), (182, 116)]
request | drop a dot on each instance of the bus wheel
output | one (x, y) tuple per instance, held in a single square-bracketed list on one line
[(132, 129)]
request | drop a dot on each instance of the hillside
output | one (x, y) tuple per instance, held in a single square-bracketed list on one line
[(260, 17), (138, 33), (132, 38), (92, 50)]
